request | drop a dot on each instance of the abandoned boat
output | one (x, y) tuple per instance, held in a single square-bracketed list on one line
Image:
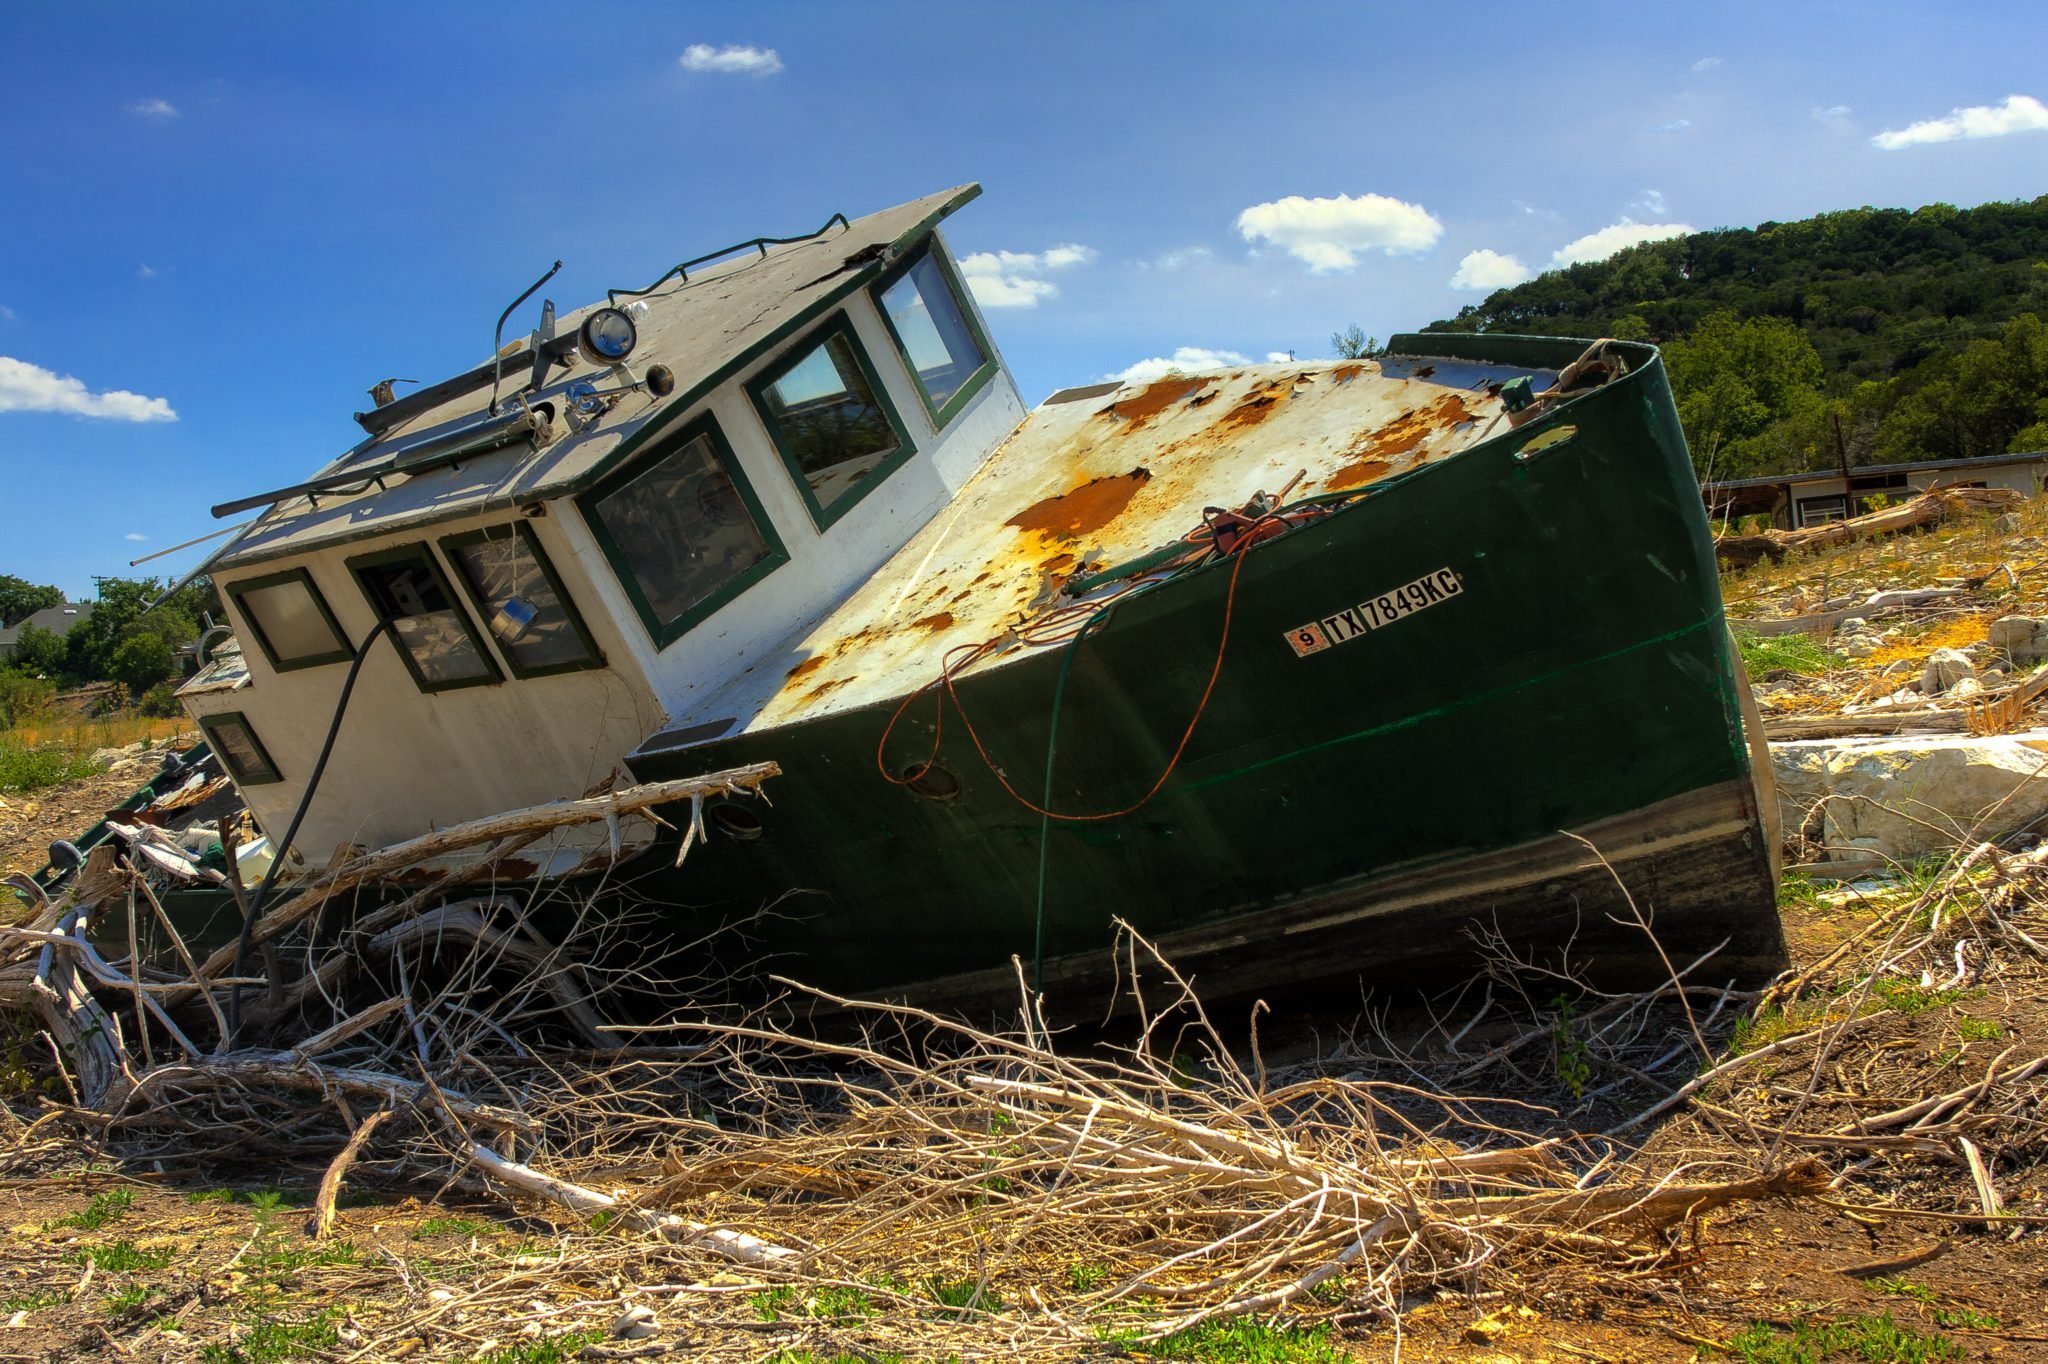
[(1302, 670)]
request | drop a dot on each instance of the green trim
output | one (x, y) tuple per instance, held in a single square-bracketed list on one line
[(757, 390), (667, 632), (268, 776), (976, 381), (593, 657), (341, 653), (420, 550)]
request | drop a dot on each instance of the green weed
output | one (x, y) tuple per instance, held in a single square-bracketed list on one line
[(1243, 1340), (102, 1209), (548, 1350), (122, 1257), (211, 1196), (1086, 1278), (1796, 890), (1903, 1288), (1574, 1063), (30, 1302), (32, 769), (962, 1295), (1879, 1340), (834, 1301), (1978, 1030), (1795, 653), (451, 1226), (132, 1296), (1912, 998), (271, 1342), (1965, 1319)]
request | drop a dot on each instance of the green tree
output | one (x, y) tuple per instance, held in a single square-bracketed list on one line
[(23, 698), (39, 652), (124, 609), (20, 599), (142, 661), (1735, 380), (1353, 344)]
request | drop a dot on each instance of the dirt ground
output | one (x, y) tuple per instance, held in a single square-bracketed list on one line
[(136, 1260)]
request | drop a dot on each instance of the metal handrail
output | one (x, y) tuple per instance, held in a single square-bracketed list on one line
[(761, 244)]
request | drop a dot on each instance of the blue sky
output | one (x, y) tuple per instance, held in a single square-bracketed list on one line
[(223, 223)]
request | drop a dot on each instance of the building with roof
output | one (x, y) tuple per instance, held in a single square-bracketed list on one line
[(1809, 498), (58, 620)]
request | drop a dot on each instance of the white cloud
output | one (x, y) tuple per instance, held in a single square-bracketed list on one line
[(1184, 360), (135, 536), (734, 60), (1651, 203), (145, 271), (1328, 234), (1833, 114), (7, 314), (154, 108), (1706, 63), (1279, 357), (1676, 125), (1608, 240), (1013, 279), (1488, 270), (2019, 114), (31, 388), (1185, 258)]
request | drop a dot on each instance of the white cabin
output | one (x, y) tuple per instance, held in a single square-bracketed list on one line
[(622, 535)]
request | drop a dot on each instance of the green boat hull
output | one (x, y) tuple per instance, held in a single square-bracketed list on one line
[(1556, 663)]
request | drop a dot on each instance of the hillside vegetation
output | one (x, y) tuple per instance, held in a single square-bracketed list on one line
[(1918, 331)]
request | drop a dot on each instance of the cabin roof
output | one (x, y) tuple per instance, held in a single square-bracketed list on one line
[(726, 315), (1099, 475)]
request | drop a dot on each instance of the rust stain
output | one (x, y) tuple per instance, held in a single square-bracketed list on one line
[(1372, 458), (516, 869), (1256, 408), (1344, 374), (1057, 563), (805, 668), (1158, 395), (935, 622), (826, 688), (1084, 510), (1425, 372)]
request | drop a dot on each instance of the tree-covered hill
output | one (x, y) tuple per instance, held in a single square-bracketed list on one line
[(1919, 330)]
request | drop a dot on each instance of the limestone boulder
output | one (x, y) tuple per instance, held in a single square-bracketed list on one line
[(1800, 769), (2023, 639), (1904, 797), (1945, 668)]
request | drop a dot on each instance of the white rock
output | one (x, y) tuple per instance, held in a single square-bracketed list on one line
[(1897, 666), (1855, 625), (1965, 689), (636, 1323), (1903, 797), (2023, 639), (1945, 668)]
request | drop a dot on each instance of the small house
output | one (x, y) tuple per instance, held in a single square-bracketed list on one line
[(1809, 498)]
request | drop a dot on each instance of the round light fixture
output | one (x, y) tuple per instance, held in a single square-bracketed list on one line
[(607, 336)]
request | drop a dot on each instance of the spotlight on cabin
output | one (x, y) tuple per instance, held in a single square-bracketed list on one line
[(660, 381), (607, 336)]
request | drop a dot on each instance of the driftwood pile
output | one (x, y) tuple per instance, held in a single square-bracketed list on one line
[(1929, 508), (912, 1182)]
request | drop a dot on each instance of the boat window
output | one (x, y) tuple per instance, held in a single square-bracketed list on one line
[(433, 633), (683, 531), (241, 752), (832, 421), (936, 333), (289, 620), (524, 607)]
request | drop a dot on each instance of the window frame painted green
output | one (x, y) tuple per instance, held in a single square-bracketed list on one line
[(776, 370), (940, 416), (268, 777), (235, 590), (450, 547), (665, 633), (422, 549)]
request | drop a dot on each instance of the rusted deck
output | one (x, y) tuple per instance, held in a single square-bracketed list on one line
[(1098, 476)]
